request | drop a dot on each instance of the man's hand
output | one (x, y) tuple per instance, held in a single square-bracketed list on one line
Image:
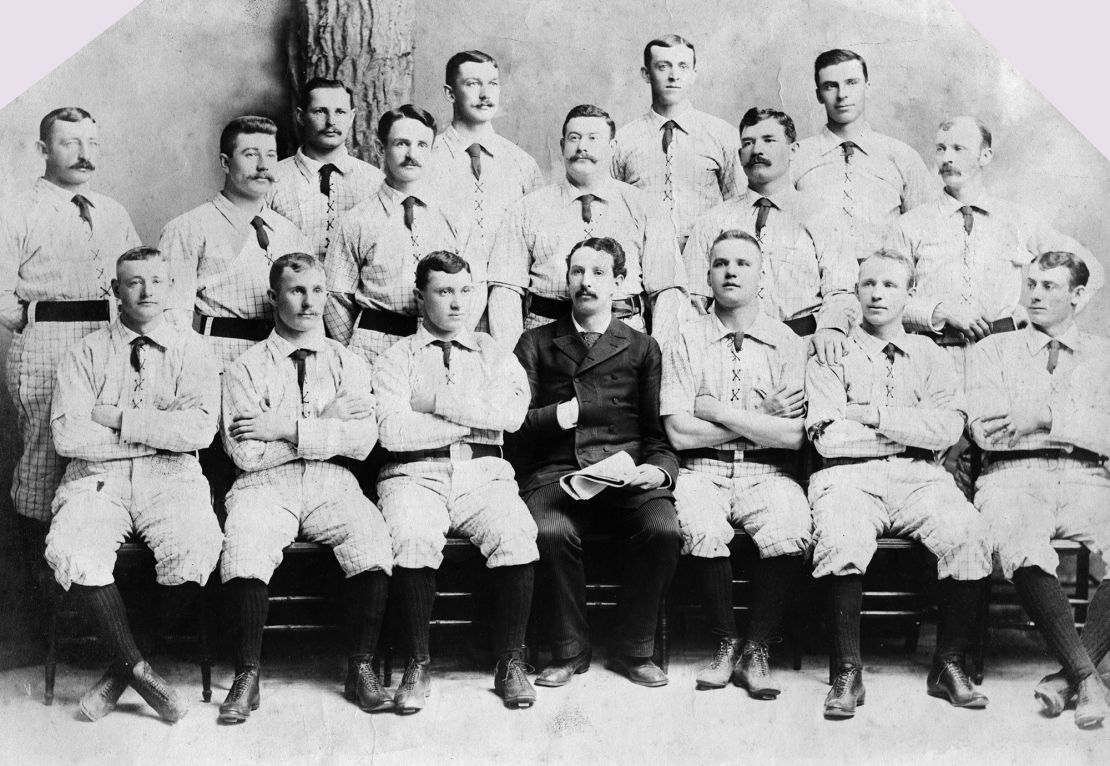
[(1005, 428), (348, 405), (709, 407), (423, 399), (829, 345), (648, 477), (567, 414), (784, 402), (266, 426), (107, 416), (965, 320), (945, 400), (868, 414)]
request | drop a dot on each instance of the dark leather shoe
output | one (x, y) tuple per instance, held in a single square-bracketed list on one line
[(1092, 702), (639, 670), (510, 680), (1055, 693), (101, 698), (753, 672), (559, 672), (412, 694), (715, 675), (948, 680), (363, 686), (243, 697), (157, 692), (846, 694)]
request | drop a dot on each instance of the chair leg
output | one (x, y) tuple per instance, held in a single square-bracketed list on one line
[(1082, 583), (50, 667), (205, 651), (913, 634), (979, 649)]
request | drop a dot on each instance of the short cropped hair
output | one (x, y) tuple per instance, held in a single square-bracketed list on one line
[(466, 57), (403, 112), (242, 126), (756, 115), (141, 253), (668, 41), (834, 57), (295, 262), (895, 256), (323, 83), (1078, 273), (589, 110), (603, 245), (984, 131), (738, 234), (439, 260), (65, 114)]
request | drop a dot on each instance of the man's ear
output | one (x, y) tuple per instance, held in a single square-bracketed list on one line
[(115, 287), (224, 159), (449, 93)]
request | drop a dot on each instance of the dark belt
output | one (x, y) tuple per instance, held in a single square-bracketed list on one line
[(1081, 455), (556, 308), (233, 327), (949, 338), (803, 326), (444, 453), (913, 453), (768, 456), (69, 311), (388, 322)]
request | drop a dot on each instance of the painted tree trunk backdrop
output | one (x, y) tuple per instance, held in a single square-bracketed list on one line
[(368, 44)]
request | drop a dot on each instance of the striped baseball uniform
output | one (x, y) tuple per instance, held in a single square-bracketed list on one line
[(226, 270), (371, 263), (538, 232), (800, 277), (857, 193), (1030, 499), (49, 253), (298, 194), (285, 488), (145, 476), (699, 169), (712, 494), (867, 487), (482, 393)]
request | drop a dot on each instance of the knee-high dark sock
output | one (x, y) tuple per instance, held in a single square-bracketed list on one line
[(958, 605), (176, 605), (247, 599), (104, 606), (415, 591), (512, 595), (1096, 631), (365, 595), (1045, 602), (714, 578), (776, 581), (846, 597)]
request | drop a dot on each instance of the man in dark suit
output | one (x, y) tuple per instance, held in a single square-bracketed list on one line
[(595, 393)]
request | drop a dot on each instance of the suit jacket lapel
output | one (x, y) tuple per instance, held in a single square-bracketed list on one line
[(614, 341), (568, 341)]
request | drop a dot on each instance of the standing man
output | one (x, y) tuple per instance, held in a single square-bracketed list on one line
[(133, 402), (595, 393), (58, 245), (372, 260), (224, 248), (481, 172), (316, 186), (878, 418), (292, 405), (733, 406), (527, 276), (685, 159), (445, 395), (806, 286), (855, 180), (1039, 408)]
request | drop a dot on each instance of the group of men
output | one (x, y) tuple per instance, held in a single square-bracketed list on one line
[(835, 294)]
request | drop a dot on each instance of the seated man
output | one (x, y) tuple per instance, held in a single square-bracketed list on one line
[(132, 404), (732, 404), (878, 418), (1040, 409), (595, 393), (292, 404), (445, 395)]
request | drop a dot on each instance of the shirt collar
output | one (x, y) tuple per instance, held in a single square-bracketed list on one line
[(865, 140), (761, 330), (60, 196), (984, 202), (345, 164), (1037, 339), (782, 199), (282, 347), (162, 334), (685, 118), (582, 330), (458, 144), (235, 215), (392, 199), (873, 346), (606, 190), (466, 339)]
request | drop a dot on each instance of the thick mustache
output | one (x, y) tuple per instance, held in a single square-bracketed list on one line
[(582, 291), (757, 161), (583, 156), (411, 164), (82, 165), (946, 168)]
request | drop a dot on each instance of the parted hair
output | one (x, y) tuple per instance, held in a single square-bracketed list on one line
[(323, 83), (403, 112), (834, 57), (896, 256), (439, 260), (242, 126), (589, 110), (1078, 273), (141, 253), (739, 234), (757, 114), (65, 114), (603, 245), (296, 262), (984, 131), (668, 41), (466, 57)]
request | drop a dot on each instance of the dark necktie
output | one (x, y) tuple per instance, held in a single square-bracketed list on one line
[(325, 178), (764, 206), (668, 134), (298, 358), (84, 208), (737, 340), (587, 213), (849, 148), (136, 344), (475, 152), (446, 346), (969, 219), (408, 203), (888, 352), (260, 232), (1053, 356), (590, 338)]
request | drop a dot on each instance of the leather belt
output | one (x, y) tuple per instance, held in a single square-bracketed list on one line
[(232, 327), (767, 456), (68, 311), (803, 326), (556, 308), (949, 338), (388, 322), (912, 453), (462, 451), (1079, 454)]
